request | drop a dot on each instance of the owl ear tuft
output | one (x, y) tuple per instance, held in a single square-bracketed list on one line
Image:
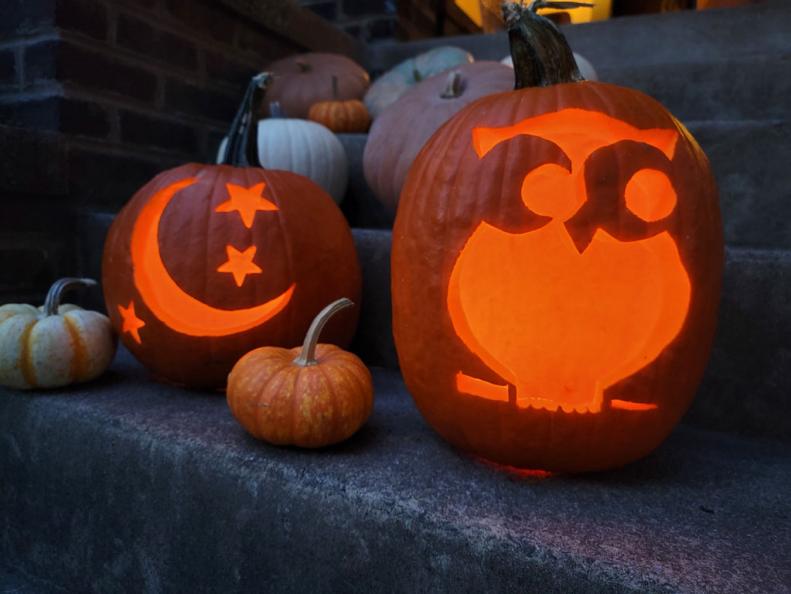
[(664, 139)]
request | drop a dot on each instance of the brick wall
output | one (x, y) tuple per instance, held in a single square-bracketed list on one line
[(112, 91), (365, 20), (135, 84)]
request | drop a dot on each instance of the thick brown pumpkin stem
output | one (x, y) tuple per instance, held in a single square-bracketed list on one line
[(60, 286), (242, 147), (303, 66), (308, 354), (541, 54), (334, 88), (454, 87)]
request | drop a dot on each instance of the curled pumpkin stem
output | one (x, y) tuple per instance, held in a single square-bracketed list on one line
[(307, 355), (60, 286)]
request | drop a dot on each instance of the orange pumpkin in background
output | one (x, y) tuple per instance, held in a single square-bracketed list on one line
[(556, 267), (342, 117), (206, 262)]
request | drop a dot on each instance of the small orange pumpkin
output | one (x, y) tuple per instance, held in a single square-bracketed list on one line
[(341, 116), (310, 396)]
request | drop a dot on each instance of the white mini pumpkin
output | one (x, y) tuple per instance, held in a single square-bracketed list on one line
[(302, 147), (53, 345)]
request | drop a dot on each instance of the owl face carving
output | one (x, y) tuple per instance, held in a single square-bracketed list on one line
[(593, 294)]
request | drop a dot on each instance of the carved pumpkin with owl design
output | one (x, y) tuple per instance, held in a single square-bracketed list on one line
[(206, 262), (557, 257)]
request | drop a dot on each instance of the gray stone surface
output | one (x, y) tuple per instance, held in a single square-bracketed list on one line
[(360, 206), (125, 485), (747, 386), (749, 87), (13, 581), (716, 64), (374, 338), (668, 38), (750, 162)]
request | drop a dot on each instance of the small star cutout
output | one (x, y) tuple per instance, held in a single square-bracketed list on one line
[(247, 201), (131, 322), (240, 264)]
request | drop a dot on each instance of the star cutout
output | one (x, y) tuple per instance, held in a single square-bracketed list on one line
[(240, 264), (131, 322), (247, 201)]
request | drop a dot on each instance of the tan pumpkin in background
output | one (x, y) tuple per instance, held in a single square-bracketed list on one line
[(53, 345), (341, 116), (400, 132), (310, 396), (304, 79)]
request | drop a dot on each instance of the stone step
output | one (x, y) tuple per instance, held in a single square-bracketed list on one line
[(723, 64), (125, 485), (667, 38), (749, 159), (14, 581)]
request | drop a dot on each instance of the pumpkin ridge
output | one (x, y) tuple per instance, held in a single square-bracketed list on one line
[(78, 369), (329, 385), (262, 389), (25, 362)]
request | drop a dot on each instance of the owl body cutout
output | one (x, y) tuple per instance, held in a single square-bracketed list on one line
[(561, 320)]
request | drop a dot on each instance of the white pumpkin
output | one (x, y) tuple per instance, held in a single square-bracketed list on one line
[(303, 147), (53, 345), (587, 70), (386, 89)]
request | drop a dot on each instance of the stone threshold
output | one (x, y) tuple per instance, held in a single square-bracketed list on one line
[(129, 485)]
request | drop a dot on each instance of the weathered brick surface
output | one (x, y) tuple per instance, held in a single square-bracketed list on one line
[(189, 99), (105, 180), (202, 19), (266, 47), (142, 130), (94, 70), (143, 38), (223, 69), (88, 17), (23, 17), (32, 163), (8, 67), (63, 114)]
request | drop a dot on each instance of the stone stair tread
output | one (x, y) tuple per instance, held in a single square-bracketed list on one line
[(760, 30), (131, 485), (12, 581)]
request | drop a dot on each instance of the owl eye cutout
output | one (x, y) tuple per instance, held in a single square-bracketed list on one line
[(650, 195), (549, 190)]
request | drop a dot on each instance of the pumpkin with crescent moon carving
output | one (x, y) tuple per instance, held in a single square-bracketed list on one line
[(206, 262), (556, 267)]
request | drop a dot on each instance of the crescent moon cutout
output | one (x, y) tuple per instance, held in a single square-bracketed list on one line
[(166, 300)]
